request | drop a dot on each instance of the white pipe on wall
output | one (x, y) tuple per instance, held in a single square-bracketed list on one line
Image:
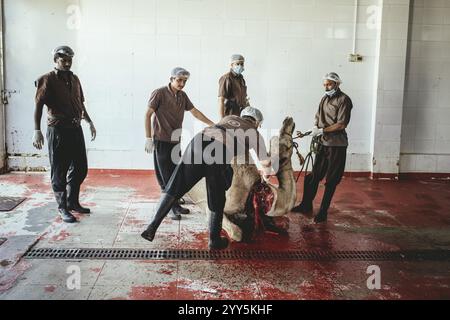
[(355, 26)]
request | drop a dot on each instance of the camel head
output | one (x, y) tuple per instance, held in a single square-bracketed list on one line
[(282, 147)]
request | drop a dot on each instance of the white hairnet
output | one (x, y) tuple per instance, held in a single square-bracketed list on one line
[(237, 58), (254, 113), (180, 73), (333, 76)]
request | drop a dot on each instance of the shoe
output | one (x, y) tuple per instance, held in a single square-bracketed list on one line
[(321, 217), (149, 234), (326, 201), (216, 242), (177, 209), (67, 216), (303, 208), (79, 209), (165, 205)]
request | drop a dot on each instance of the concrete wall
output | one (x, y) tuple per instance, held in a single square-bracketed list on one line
[(125, 49), (426, 119), (31, 29), (389, 87), (3, 162)]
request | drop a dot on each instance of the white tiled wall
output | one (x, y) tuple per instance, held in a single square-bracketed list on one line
[(2, 112), (390, 81), (125, 49), (426, 120)]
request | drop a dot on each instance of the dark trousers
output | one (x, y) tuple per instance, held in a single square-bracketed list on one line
[(195, 165), (68, 161), (329, 163), (164, 164)]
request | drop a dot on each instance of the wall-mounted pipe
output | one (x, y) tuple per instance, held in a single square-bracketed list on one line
[(355, 26)]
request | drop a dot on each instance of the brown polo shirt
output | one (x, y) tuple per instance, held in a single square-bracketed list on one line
[(63, 95), (169, 111), (333, 110), (233, 128), (233, 88)]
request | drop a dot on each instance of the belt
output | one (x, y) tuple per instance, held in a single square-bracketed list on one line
[(67, 122)]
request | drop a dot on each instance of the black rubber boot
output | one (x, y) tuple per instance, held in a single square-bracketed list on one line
[(216, 242), (164, 206), (66, 216), (322, 216), (61, 199), (73, 202), (177, 209), (79, 209), (303, 208), (309, 193)]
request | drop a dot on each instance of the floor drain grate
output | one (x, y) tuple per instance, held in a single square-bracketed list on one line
[(140, 254), (10, 203), (2, 241)]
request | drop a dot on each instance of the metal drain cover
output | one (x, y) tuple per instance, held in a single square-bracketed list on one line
[(139, 254), (10, 203), (2, 241)]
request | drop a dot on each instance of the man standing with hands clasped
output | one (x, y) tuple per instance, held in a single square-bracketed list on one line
[(166, 107), (332, 119), (60, 90)]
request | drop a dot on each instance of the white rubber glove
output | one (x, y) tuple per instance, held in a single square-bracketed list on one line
[(93, 131), (38, 139), (149, 146), (316, 132), (266, 171)]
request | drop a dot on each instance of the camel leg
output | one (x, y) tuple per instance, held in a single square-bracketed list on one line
[(233, 231)]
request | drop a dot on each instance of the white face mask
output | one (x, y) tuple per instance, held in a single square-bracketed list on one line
[(330, 93), (238, 70)]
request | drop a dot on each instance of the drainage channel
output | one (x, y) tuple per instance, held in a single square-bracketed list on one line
[(140, 254)]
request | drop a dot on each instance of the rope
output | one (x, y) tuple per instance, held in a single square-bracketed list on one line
[(313, 148)]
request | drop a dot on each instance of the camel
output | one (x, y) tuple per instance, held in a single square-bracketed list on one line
[(245, 177)]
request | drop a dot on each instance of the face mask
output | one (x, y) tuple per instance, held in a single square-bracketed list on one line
[(238, 70), (331, 92)]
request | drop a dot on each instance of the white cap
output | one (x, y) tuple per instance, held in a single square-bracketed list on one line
[(237, 58), (333, 76), (180, 73), (254, 113)]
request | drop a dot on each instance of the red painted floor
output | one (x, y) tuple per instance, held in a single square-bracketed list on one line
[(365, 215)]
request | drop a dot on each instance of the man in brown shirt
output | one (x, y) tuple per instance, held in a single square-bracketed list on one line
[(233, 89), (209, 155), (331, 120), (167, 106), (60, 90)]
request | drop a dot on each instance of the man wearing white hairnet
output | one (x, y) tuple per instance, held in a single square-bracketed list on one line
[(166, 107), (233, 89), (332, 119)]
